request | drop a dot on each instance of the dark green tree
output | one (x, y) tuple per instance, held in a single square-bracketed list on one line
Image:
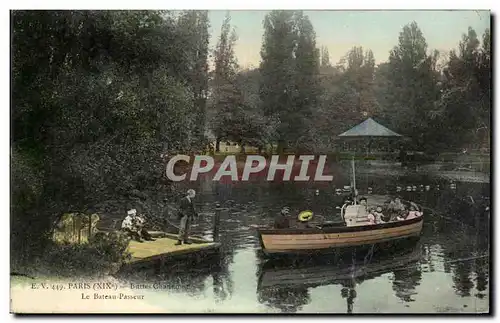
[(194, 26), (97, 98), (463, 109), (413, 84), (325, 57), (277, 70), (307, 86)]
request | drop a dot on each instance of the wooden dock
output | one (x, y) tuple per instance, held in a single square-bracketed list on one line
[(163, 251)]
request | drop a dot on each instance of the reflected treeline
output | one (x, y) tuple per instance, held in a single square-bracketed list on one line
[(223, 285), (469, 270), (349, 293), (285, 284), (288, 300), (482, 269), (405, 280), (193, 280), (464, 249)]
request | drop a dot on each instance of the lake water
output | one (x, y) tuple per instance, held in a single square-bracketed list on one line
[(447, 271)]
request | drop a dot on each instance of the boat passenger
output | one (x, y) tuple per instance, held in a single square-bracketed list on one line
[(282, 221), (363, 201), (414, 211), (396, 208), (379, 216), (338, 199), (396, 205), (348, 200), (399, 204), (371, 216)]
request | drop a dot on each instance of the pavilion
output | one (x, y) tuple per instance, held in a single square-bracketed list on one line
[(369, 134)]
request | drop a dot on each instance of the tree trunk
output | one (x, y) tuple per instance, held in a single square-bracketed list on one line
[(281, 147), (217, 145)]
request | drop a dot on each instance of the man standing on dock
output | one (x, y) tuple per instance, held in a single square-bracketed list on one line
[(186, 215)]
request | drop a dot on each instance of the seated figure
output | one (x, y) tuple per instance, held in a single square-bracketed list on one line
[(282, 221), (380, 217), (371, 216), (133, 225), (413, 213), (396, 209)]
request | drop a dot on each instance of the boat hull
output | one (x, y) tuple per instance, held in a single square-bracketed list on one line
[(335, 239)]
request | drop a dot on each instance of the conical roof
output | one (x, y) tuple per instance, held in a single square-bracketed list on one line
[(369, 128)]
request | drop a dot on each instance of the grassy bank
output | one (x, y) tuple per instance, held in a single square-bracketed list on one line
[(103, 255)]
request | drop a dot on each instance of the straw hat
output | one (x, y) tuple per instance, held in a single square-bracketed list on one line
[(305, 216)]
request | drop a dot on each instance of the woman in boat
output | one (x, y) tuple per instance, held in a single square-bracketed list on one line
[(379, 216), (396, 208), (412, 214), (363, 202), (371, 216)]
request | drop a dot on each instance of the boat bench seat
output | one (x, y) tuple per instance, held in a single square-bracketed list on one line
[(356, 215)]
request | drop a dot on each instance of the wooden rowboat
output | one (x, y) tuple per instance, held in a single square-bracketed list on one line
[(353, 231), (333, 237)]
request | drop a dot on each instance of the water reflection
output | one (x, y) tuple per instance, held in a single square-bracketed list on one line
[(405, 281), (287, 300), (223, 286), (282, 283)]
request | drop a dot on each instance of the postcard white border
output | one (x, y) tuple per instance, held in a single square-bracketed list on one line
[(186, 4)]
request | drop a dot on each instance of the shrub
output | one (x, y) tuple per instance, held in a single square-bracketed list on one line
[(104, 254)]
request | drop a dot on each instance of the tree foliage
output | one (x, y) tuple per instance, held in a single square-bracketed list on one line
[(97, 97), (289, 69), (465, 104)]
